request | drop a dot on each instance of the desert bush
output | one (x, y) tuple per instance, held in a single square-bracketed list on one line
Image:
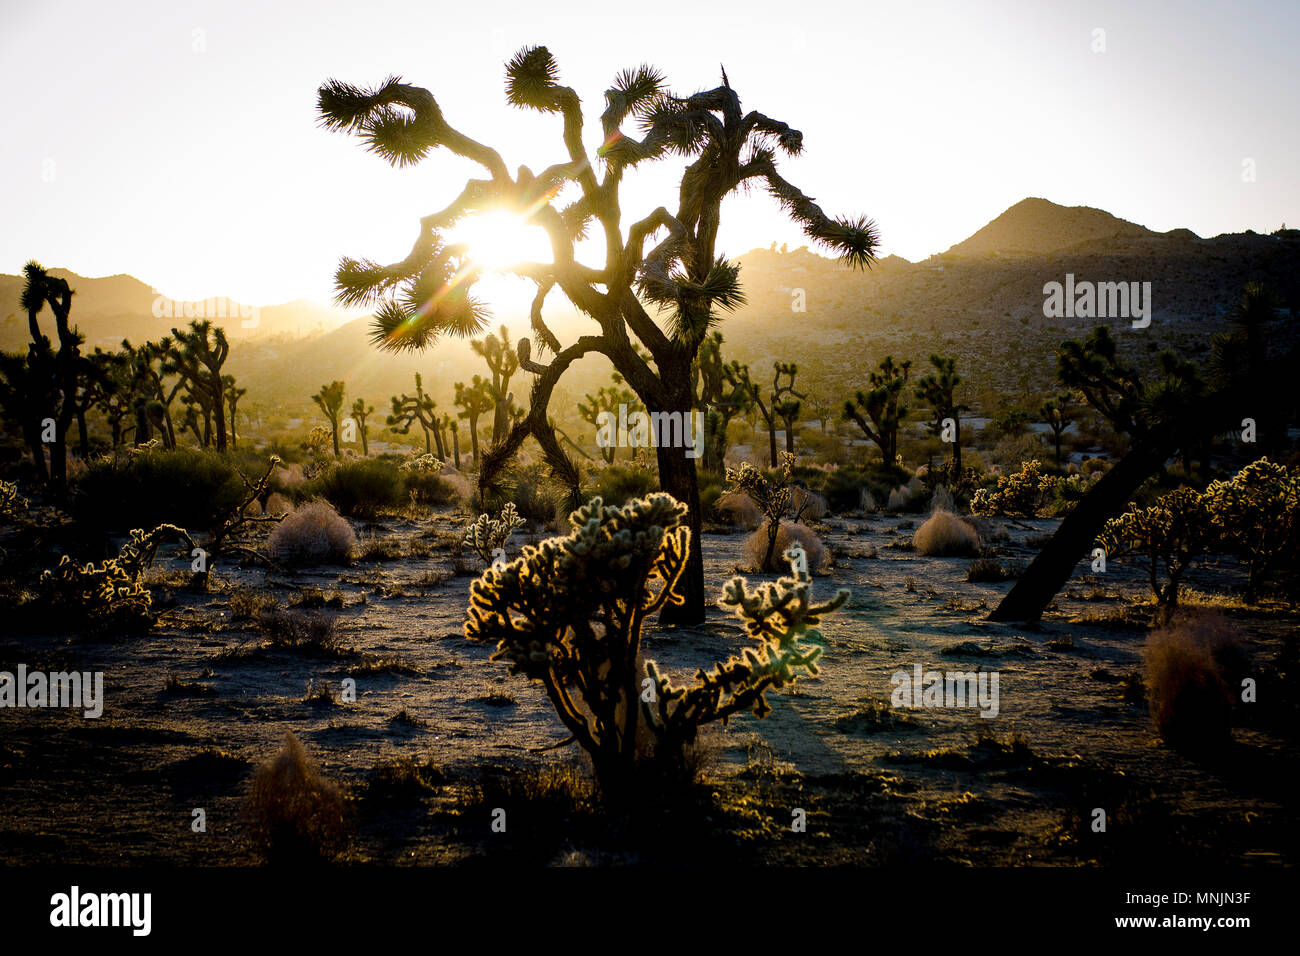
[(1257, 513), (616, 485), (1178, 528), (359, 489), (193, 488), (790, 532), (941, 500), (738, 509), (984, 570), (1191, 666), (569, 614), (294, 813), (314, 534), (807, 505), (945, 535), (1024, 493), (107, 597)]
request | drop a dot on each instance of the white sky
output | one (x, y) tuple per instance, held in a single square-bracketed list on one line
[(126, 150)]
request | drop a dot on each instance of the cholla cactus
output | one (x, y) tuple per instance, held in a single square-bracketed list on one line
[(1175, 530), (1023, 494), (422, 465), (488, 536), (783, 619), (318, 440), (1258, 513), (772, 494), (109, 596), (12, 504), (569, 613)]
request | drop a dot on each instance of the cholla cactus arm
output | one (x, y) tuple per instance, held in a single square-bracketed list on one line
[(781, 616)]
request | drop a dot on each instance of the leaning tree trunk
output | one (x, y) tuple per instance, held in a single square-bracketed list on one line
[(1048, 572)]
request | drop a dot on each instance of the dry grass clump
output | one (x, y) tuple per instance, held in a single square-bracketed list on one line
[(1193, 667), (946, 535), (311, 631), (294, 814), (246, 603), (788, 533), (314, 534), (738, 509)]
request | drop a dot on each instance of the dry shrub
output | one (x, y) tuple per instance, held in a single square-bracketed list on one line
[(288, 476), (739, 509), (461, 488), (808, 505), (278, 504), (945, 535), (897, 499), (295, 814), (786, 535), (314, 534), (941, 500), (1193, 663)]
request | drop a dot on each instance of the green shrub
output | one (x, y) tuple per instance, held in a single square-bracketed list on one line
[(196, 489), (359, 489), (616, 485), (429, 488)]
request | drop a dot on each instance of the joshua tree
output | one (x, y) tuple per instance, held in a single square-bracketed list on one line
[(502, 363), (408, 409), (936, 389), (473, 400), (786, 401), (1056, 413), (722, 398), (233, 395), (450, 424), (330, 401), (359, 412), (197, 357), (606, 401), (881, 408), (737, 376), (1159, 416), (682, 276), (43, 391)]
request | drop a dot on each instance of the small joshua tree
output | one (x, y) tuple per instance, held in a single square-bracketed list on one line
[(359, 412), (330, 401), (569, 613), (879, 410), (488, 535)]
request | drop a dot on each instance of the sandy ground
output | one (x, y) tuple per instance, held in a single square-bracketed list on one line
[(945, 785)]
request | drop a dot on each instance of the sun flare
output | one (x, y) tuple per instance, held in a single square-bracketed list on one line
[(498, 240)]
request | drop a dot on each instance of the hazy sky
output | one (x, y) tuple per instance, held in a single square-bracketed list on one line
[(178, 141)]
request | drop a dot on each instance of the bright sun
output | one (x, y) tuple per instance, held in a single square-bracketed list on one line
[(497, 240)]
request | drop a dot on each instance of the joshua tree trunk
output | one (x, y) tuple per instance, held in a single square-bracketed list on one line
[(1055, 563)]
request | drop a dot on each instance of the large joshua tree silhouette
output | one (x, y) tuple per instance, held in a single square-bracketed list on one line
[(682, 279)]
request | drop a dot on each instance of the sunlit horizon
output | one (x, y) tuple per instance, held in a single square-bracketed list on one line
[(194, 161)]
